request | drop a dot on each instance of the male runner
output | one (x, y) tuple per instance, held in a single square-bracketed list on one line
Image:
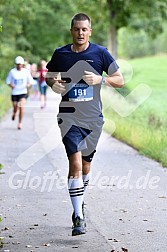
[(80, 118)]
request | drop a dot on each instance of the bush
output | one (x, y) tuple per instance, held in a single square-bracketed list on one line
[(133, 44)]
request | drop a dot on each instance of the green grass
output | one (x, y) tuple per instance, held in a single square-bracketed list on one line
[(5, 101), (146, 128)]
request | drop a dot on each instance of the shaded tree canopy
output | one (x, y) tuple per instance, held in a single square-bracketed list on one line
[(33, 29)]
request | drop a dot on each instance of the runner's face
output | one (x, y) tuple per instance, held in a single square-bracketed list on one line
[(19, 66), (81, 32)]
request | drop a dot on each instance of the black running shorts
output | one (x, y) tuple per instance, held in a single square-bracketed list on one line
[(77, 138), (17, 98)]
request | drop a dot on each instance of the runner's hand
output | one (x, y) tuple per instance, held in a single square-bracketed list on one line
[(91, 79), (28, 85), (57, 87), (12, 86)]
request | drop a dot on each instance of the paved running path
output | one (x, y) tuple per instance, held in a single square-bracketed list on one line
[(126, 202)]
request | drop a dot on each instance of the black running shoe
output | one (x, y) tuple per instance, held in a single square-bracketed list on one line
[(79, 227), (13, 117), (83, 212)]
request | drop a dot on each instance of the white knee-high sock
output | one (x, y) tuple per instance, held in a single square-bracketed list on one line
[(86, 179), (76, 191)]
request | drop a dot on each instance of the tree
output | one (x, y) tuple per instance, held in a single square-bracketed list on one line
[(49, 29), (145, 14), (12, 13), (33, 29)]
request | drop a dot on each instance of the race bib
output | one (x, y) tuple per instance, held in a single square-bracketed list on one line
[(80, 92), (19, 83)]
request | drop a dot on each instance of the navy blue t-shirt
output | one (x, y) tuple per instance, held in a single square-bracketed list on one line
[(81, 100)]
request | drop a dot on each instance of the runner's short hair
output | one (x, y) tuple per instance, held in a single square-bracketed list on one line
[(80, 17)]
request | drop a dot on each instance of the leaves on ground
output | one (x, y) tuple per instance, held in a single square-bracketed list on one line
[(28, 246), (5, 228), (124, 210), (1, 241), (46, 244), (114, 240), (162, 197), (122, 250), (1, 166), (16, 243)]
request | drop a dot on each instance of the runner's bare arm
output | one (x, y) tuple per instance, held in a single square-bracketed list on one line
[(115, 80)]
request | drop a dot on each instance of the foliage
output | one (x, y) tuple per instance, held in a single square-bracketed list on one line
[(1, 166), (5, 102), (138, 14), (149, 15), (1, 238), (134, 44), (33, 29)]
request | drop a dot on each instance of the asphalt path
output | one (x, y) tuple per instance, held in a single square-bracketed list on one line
[(126, 201)]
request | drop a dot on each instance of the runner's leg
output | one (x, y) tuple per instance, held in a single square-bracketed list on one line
[(75, 183), (15, 107), (21, 111), (85, 173)]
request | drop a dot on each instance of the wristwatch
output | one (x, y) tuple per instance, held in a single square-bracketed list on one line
[(103, 81)]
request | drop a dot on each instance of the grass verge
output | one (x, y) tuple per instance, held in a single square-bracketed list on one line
[(5, 101), (144, 128)]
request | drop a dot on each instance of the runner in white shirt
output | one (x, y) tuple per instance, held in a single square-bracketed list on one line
[(19, 79)]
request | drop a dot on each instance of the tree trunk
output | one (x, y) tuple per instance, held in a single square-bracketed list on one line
[(113, 12), (112, 42)]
